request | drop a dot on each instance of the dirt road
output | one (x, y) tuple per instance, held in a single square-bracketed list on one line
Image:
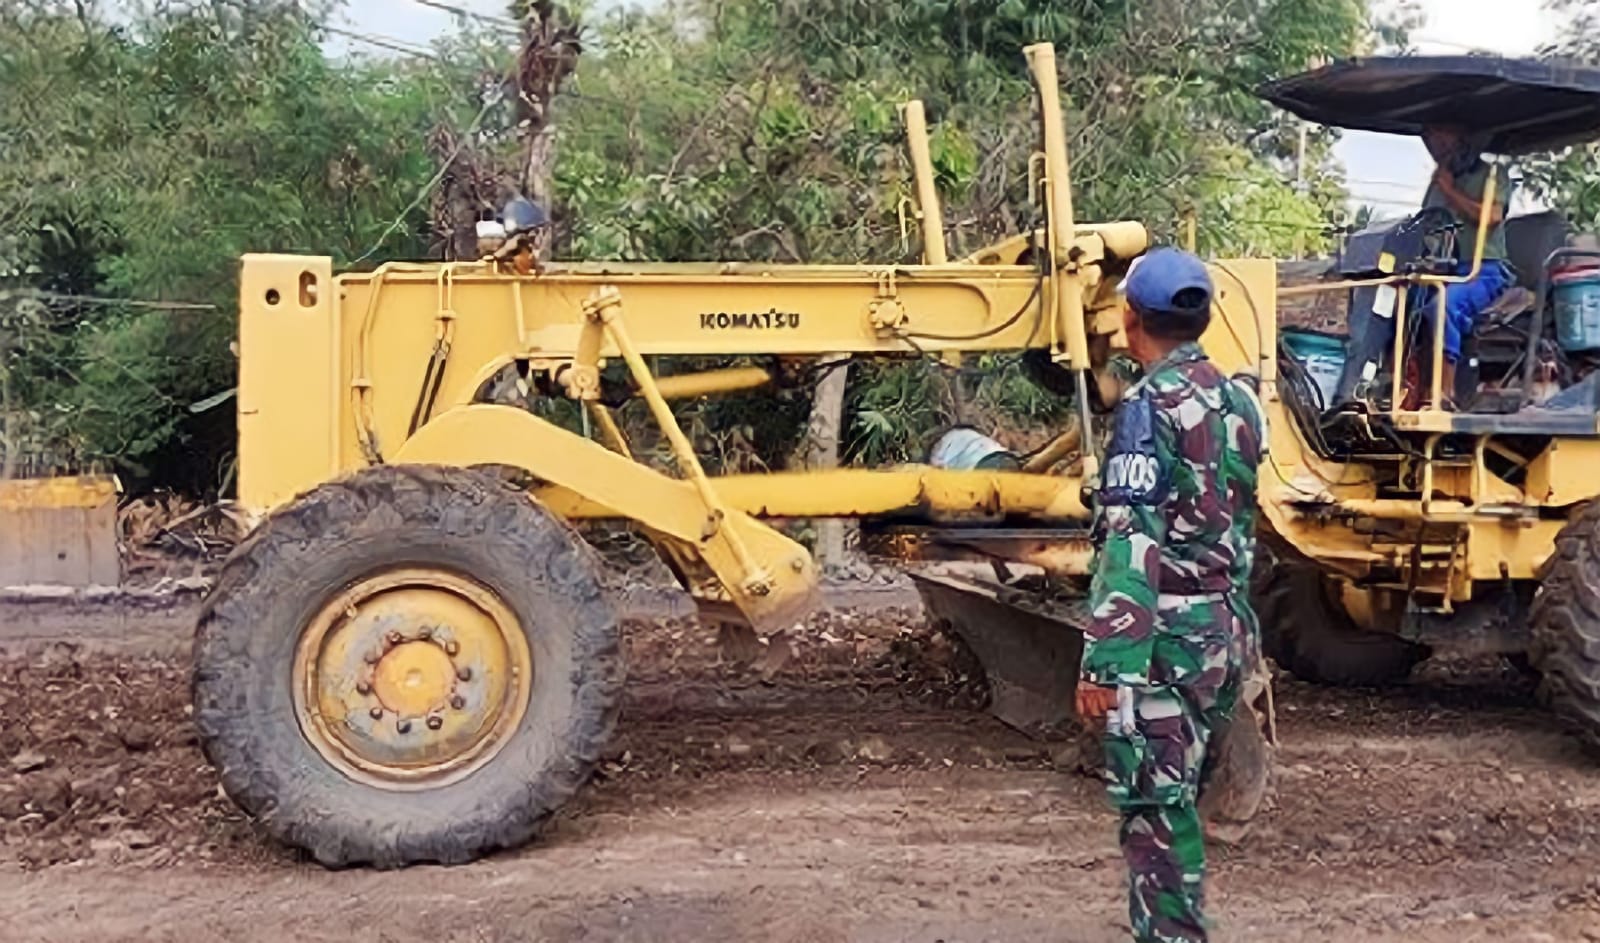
[(852, 793)]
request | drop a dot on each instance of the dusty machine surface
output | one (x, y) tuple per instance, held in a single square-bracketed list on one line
[(414, 657)]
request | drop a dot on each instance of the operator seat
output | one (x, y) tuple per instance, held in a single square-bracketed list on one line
[(1495, 342), (1499, 340)]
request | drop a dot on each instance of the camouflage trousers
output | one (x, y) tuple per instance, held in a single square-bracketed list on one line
[(1155, 751)]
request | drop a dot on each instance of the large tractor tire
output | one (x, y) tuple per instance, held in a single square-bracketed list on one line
[(1565, 626), (1306, 630), (413, 664)]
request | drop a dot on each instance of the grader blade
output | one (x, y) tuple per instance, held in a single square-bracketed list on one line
[(1029, 652), (1030, 643), (1238, 773)]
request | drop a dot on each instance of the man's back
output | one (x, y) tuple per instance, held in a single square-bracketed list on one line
[(1216, 450), (1177, 511)]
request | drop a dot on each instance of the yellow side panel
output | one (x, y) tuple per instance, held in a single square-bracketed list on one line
[(1564, 473), (289, 386), (1245, 338), (1247, 300), (1521, 548)]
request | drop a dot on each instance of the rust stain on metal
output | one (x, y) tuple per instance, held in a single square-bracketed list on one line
[(1058, 551)]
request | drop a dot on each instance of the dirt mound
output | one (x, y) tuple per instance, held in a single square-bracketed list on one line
[(850, 689), (891, 648), (98, 759)]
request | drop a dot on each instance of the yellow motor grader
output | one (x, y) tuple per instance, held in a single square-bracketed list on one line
[(414, 656)]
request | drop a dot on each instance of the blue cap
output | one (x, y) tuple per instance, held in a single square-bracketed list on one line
[(1168, 281)]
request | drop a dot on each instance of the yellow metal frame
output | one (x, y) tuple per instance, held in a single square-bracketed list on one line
[(342, 372), (338, 373)]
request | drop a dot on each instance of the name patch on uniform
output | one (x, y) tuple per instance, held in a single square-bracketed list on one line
[(1136, 474), (1133, 473)]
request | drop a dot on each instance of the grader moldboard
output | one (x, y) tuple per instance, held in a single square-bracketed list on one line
[(412, 659)]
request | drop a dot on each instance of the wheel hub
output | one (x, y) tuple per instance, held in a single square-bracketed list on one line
[(412, 678)]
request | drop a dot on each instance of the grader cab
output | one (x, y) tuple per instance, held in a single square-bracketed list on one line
[(414, 656), (1422, 515)]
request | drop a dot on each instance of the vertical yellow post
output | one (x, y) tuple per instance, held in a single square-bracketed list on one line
[(1042, 60), (1066, 296), (1491, 195), (1062, 230), (1485, 210), (1398, 361), (1190, 228), (933, 247), (1439, 313)]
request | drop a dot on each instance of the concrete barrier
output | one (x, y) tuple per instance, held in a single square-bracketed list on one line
[(59, 531)]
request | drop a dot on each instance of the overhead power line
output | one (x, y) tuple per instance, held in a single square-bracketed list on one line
[(386, 42), (1391, 184), (427, 188), (1384, 201), (41, 295), (471, 14)]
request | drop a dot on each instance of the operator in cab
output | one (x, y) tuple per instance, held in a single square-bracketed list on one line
[(1460, 182), (1171, 633)]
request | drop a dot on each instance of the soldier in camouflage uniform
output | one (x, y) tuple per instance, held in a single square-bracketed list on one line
[(1171, 631)]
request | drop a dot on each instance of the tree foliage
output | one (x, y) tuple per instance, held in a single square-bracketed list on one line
[(772, 131), (1570, 180), (140, 160), (141, 155)]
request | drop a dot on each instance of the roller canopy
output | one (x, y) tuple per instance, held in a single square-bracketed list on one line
[(1522, 106)]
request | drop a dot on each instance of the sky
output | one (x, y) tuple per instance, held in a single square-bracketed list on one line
[(1384, 170)]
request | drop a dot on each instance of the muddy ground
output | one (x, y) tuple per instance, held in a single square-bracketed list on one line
[(850, 791)]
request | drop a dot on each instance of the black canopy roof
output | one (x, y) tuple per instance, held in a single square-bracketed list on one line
[(1522, 105)]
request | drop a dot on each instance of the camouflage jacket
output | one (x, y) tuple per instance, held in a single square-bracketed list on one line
[(1175, 513)]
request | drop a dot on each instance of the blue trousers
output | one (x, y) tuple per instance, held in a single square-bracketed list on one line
[(1465, 301)]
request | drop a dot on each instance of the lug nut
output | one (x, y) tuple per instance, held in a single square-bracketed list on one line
[(403, 726), (435, 722), (450, 648), (457, 701), (377, 713), (363, 688), (394, 638), (374, 657), (464, 673)]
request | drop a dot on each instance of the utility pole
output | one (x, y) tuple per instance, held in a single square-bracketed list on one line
[(1300, 186), (552, 41), (475, 181)]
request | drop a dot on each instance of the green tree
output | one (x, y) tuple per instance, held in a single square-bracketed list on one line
[(1569, 180), (140, 156), (141, 159)]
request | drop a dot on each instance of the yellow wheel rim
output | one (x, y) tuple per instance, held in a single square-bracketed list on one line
[(412, 679)]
